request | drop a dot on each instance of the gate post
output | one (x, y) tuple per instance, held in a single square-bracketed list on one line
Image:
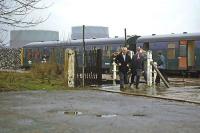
[(99, 66), (69, 67), (154, 73), (114, 71), (149, 68)]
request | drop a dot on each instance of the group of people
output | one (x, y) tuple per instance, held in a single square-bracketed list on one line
[(137, 66)]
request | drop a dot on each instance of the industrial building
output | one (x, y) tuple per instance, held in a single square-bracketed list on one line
[(90, 32), (18, 38)]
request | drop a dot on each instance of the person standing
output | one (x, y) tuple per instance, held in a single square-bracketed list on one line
[(144, 55), (161, 63), (137, 67), (123, 60)]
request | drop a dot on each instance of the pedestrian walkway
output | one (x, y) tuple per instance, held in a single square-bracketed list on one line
[(183, 94)]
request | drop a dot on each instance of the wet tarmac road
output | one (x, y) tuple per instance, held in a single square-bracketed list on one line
[(94, 112), (184, 93)]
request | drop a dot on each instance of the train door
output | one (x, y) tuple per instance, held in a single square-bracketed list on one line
[(182, 59), (191, 54), (186, 55)]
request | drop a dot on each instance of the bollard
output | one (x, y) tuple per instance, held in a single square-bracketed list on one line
[(131, 54), (114, 71), (149, 68)]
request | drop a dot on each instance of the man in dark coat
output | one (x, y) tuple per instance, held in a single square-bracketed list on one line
[(137, 67), (123, 60)]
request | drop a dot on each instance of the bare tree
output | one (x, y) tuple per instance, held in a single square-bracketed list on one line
[(17, 13)]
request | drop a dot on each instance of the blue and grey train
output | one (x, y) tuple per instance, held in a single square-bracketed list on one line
[(36, 50), (182, 51)]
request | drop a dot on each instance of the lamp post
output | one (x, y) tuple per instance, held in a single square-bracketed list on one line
[(125, 37), (83, 65)]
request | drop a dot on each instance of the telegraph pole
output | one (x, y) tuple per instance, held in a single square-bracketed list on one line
[(83, 65)]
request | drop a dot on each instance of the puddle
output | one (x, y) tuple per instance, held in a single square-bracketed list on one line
[(26, 122), (61, 112), (72, 113), (106, 115), (139, 115)]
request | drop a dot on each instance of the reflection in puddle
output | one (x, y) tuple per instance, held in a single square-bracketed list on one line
[(106, 115), (145, 90), (73, 113), (139, 115), (61, 112)]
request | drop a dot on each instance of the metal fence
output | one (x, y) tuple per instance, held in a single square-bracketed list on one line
[(93, 68)]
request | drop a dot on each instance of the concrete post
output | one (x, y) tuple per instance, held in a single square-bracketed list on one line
[(114, 71), (149, 68), (69, 68), (131, 54)]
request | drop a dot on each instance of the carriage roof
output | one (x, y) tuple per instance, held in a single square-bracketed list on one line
[(98, 41), (169, 37)]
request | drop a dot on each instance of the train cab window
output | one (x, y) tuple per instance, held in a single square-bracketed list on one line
[(105, 51), (94, 48), (171, 51)]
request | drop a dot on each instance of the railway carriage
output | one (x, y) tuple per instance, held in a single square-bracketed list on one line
[(36, 51), (182, 51)]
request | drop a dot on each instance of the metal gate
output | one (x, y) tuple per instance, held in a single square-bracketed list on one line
[(92, 69)]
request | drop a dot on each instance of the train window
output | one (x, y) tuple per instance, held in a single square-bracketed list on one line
[(74, 48), (94, 48), (36, 55), (29, 54), (183, 50), (146, 46), (53, 56), (109, 51), (45, 53), (106, 48), (171, 51)]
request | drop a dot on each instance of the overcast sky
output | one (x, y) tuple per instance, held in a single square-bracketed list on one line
[(141, 17)]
